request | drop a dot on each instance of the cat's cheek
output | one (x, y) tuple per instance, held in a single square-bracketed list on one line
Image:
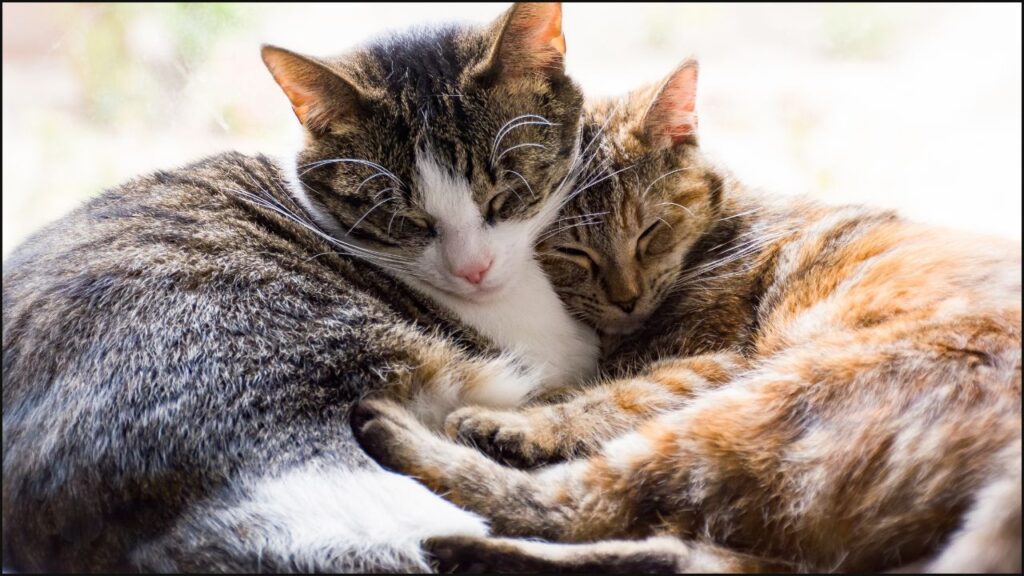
[(430, 267), (512, 244)]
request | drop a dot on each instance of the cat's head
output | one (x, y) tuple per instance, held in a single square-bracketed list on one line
[(617, 249), (439, 153)]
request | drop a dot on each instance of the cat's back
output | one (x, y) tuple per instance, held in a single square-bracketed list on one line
[(862, 269), (169, 319), (179, 223), (193, 276), (154, 255)]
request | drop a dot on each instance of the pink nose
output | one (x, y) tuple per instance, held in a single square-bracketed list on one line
[(474, 272)]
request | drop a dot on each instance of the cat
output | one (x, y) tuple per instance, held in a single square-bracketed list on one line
[(180, 353), (792, 386)]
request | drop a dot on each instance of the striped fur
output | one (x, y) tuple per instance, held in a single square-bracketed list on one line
[(833, 388), (181, 353)]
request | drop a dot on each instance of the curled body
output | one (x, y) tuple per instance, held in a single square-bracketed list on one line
[(181, 353), (791, 386)]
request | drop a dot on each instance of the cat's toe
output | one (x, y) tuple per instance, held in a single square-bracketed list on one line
[(376, 434), (502, 436), (512, 449), (361, 414)]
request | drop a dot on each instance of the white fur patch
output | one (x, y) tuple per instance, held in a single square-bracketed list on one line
[(379, 517), (465, 239), (507, 386), (525, 316), (624, 452), (990, 539), (529, 320), (298, 191), (446, 197)]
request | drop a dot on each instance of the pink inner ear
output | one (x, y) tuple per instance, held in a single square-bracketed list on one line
[(316, 94), (551, 28), (673, 113), (302, 99), (288, 76), (534, 36)]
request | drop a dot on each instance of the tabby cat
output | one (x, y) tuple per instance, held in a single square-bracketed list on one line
[(831, 388), (179, 354)]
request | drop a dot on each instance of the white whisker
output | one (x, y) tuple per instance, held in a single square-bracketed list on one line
[(737, 252), (595, 183), (578, 163), (558, 231), (517, 146), (494, 148), (583, 216), (528, 187), (582, 162), (391, 221), (374, 165), (383, 260), (315, 256), (377, 195), (751, 211), (527, 119), (360, 186), (663, 176), (688, 211), (367, 213)]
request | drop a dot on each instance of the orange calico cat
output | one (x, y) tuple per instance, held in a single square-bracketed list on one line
[(830, 388)]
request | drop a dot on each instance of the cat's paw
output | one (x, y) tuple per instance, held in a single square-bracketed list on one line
[(509, 437), (388, 433)]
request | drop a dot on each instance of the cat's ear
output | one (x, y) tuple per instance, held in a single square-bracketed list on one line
[(526, 40), (319, 95), (671, 118)]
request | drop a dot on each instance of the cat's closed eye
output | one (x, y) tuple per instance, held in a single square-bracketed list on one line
[(494, 206), (655, 240), (422, 224), (578, 256), (506, 203)]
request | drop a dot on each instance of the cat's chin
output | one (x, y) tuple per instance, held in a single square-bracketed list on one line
[(485, 293), (623, 327), (480, 294)]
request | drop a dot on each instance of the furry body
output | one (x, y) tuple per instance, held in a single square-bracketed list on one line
[(181, 353), (833, 388)]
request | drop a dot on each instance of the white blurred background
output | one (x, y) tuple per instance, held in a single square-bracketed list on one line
[(916, 107)]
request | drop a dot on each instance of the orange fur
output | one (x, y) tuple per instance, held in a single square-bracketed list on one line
[(833, 387)]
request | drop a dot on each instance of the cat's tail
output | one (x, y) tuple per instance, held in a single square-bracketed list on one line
[(313, 519), (990, 538)]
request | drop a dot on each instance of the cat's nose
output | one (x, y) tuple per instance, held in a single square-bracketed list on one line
[(474, 272), (628, 304)]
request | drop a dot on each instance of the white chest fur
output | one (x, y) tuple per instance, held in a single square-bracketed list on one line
[(528, 319)]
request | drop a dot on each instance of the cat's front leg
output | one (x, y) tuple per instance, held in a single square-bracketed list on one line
[(548, 433), (439, 377), (605, 496), (657, 555), (518, 503)]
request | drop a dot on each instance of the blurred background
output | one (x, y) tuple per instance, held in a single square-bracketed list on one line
[(916, 107)]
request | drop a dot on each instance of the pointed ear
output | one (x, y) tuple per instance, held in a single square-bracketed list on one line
[(671, 118), (319, 96), (527, 40)]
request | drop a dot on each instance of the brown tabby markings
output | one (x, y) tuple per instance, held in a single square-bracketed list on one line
[(180, 354), (838, 388)]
